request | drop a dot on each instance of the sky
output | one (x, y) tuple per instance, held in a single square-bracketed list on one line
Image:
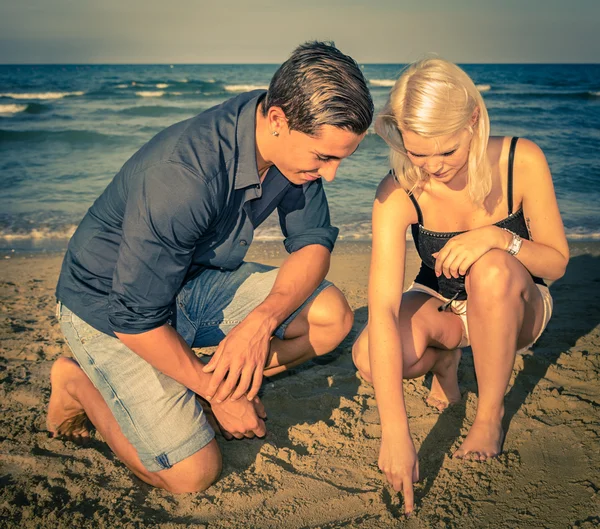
[(266, 31)]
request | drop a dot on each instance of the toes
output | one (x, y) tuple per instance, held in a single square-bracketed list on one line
[(436, 403)]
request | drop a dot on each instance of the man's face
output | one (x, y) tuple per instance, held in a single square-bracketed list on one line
[(302, 158)]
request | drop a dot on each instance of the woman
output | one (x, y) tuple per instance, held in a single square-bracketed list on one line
[(486, 225)]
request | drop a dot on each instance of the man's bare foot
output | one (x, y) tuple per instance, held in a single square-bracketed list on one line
[(444, 386), (484, 441), (66, 417)]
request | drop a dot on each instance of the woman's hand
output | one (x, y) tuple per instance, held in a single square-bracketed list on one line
[(398, 461), (461, 251)]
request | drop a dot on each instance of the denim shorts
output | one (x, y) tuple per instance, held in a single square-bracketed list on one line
[(160, 417)]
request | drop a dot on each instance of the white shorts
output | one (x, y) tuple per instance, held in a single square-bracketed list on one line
[(460, 309)]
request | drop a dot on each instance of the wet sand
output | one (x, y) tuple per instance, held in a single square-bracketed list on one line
[(317, 467)]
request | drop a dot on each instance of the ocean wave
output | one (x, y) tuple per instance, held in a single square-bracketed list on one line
[(37, 234), (12, 109), (244, 87), (76, 137), (156, 111), (162, 85), (575, 234), (150, 93), (41, 95), (547, 94), (382, 82), (30, 108), (483, 87)]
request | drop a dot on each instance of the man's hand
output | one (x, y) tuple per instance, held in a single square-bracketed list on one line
[(239, 361), (240, 418)]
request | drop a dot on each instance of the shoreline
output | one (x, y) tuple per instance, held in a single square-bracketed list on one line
[(317, 467)]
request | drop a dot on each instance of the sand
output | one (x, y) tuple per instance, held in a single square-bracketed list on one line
[(317, 467)]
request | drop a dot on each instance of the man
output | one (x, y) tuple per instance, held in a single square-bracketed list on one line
[(156, 267)]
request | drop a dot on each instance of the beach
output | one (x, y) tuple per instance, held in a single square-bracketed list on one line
[(317, 466)]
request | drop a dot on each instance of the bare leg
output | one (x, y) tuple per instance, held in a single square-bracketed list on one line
[(444, 385), (316, 331), (429, 341), (505, 309), (74, 394)]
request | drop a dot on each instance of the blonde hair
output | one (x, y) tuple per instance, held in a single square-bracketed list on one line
[(434, 97)]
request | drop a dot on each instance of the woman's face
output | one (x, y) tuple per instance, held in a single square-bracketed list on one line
[(441, 157)]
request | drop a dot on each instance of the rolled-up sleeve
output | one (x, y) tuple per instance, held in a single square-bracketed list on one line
[(168, 208), (304, 218)]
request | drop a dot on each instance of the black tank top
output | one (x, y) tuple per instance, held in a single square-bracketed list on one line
[(428, 242)]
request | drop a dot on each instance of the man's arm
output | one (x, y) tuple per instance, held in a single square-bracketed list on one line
[(240, 358), (309, 238), (168, 210), (166, 350)]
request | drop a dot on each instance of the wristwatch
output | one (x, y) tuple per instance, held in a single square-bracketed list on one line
[(515, 244)]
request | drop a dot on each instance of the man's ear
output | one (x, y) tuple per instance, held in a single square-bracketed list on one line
[(278, 123)]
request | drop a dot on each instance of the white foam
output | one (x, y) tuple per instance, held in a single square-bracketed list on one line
[(244, 87), (577, 236), (595, 94), (40, 233), (483, 87), (150, 93), (41, 95), (12, 109), (382, 82), (122, 85), (162, 85)]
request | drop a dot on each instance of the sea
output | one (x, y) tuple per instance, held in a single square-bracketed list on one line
[(66, 130)]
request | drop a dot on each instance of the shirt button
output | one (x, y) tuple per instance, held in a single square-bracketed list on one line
[(243, 243)]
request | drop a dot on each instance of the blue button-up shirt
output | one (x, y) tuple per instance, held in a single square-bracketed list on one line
[(187, 200)]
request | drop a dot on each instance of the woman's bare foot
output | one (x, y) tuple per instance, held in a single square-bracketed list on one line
[(66, 417), (484, 441), (444, 386)]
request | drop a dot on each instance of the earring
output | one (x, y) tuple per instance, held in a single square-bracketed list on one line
[(275, 133)]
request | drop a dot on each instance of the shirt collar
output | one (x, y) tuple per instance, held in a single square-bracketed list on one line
[(247, 171)]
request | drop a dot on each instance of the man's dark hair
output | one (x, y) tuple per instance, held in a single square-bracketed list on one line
[(319, 85)]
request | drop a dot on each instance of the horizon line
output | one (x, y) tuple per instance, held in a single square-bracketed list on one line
[(508, 63)]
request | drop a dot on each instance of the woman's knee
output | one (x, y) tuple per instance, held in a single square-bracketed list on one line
[(497, 276), (195, 473)]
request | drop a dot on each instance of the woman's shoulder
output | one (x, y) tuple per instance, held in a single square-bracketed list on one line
[(391, 197), (525, 149), (390, 188)]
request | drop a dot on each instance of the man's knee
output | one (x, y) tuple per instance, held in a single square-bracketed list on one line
[(331, 313), (195, 473)]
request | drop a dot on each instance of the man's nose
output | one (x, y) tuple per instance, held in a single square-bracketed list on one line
[(328, 170)]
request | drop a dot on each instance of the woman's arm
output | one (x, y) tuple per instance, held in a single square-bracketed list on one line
[(546, 254), (392, 214), (386, 280)]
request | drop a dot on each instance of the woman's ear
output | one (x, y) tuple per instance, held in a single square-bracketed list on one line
[(474, 117)]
